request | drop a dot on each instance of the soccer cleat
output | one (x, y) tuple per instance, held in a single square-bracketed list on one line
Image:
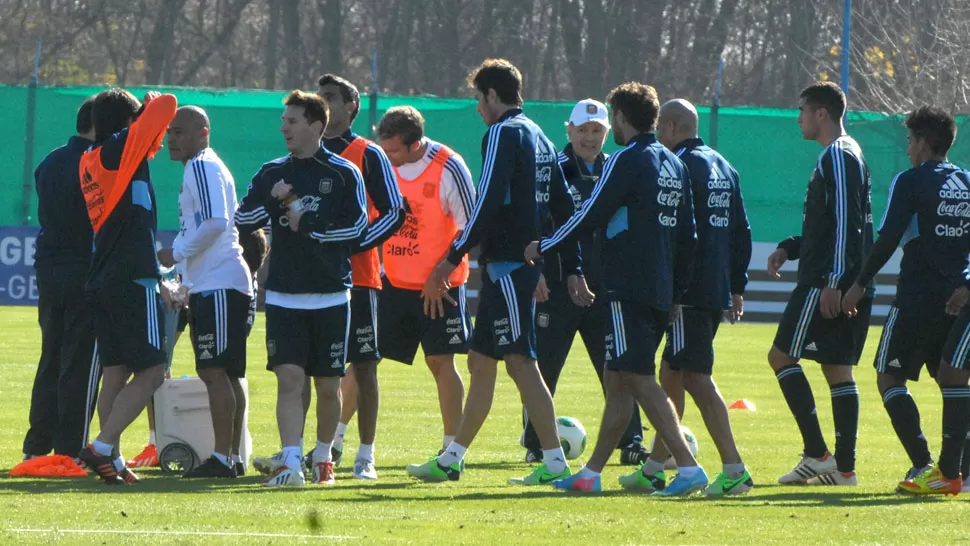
[(682, 486), (634, 454), (808, 468), (578, 482), (431, 471), (240, 469), (834, 478), (364, 470), (932, 482), (147, 458), (913, 474), (103, 465), (268, 465), (285, 476), (542, 476), (128, 476), (322, 474), (211, 468), (336, 455), (724, 485), (533, 457), (307, 460), (638, 481)]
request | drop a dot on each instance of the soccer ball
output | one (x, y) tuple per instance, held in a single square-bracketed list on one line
[(572, 436), (691, 443)]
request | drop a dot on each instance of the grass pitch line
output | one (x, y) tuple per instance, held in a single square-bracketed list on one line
[(180, 533)]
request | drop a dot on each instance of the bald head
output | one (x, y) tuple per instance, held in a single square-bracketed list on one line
[(676, 122), (188, 134)]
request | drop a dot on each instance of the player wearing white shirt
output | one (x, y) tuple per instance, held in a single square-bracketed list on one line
[(209, 257), (441, 195)]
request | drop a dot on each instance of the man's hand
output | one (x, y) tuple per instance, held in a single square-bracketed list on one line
[(831, 303), (170, 298), (294, 220), (850, 301), (675, 313), (532, 253), (957, 300), (436, 289), (281, 190), (150, 96), (542, 290), (736, 311), (166, 257), (775, 261), (579, 291)]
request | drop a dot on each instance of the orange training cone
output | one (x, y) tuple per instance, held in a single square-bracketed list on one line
[(743, 404)]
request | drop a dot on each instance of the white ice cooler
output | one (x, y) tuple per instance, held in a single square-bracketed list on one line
[(183, 425)]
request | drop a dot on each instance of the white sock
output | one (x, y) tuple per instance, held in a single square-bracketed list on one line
[(338, 438), (236, 458), (102, 448), (151, 437), (321, 454), (222, 459), (733, 470), (454, 453), (293, 457), (651, 467), (554, 459), (688, 471), (119, 463), (585, 472), (446, 441), (365, 453)]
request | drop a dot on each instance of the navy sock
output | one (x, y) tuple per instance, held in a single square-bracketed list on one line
[(904, 415), (801, 402), (845, 413), (956, 423)]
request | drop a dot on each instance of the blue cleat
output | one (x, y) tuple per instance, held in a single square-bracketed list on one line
[(683, 486), (578, 482)]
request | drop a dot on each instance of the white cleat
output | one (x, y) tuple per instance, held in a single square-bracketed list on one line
[(364, 470), (809, 468), (285, 476), (268, 465), (834, 478)]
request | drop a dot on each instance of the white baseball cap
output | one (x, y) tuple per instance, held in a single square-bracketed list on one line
[(589, 110)]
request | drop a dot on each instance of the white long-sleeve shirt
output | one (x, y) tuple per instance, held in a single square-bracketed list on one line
[(207, 247), (457, 190)]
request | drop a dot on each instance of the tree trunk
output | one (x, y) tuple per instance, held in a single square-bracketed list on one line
[(293, 77), (159, 47), (272, 43)]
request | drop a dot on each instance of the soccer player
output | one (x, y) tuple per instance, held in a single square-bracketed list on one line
[(218, 281), (558, 317), (717, 284), (386, 212), (643, 200), (928, 207), (521, 184), (122, 287), (440, 193), (836, 236), (66, 385), (316, 202)]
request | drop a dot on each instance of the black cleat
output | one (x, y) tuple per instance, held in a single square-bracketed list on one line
[(634, 454), (211, 468), (240, 469), (103, 466)]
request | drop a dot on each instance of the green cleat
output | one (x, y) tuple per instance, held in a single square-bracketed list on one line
[(637, 481), (431, 471), (541, 476), (723, 485)]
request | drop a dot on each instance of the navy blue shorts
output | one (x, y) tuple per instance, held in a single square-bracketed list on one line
[(128, 319), (804, 334), (314, 339), (404, 326), (219, 330), (956, 350), (913, 336), (690, 340), (505, 323), (363, 343), (633, 336)]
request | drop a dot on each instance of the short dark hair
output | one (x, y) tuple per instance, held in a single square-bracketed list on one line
[(314, 108), (85, 121), (933, 125), (500, 75), (638, 102), (255, 248), (826, 95), (348, 91), (403, 121), (111, 112)]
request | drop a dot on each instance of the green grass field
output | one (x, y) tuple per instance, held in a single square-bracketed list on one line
[(481, 508)]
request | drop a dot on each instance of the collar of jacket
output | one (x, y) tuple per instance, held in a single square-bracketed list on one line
[(574, 163), (509, 114), (643, 138), (689, 144), (78, 143)]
